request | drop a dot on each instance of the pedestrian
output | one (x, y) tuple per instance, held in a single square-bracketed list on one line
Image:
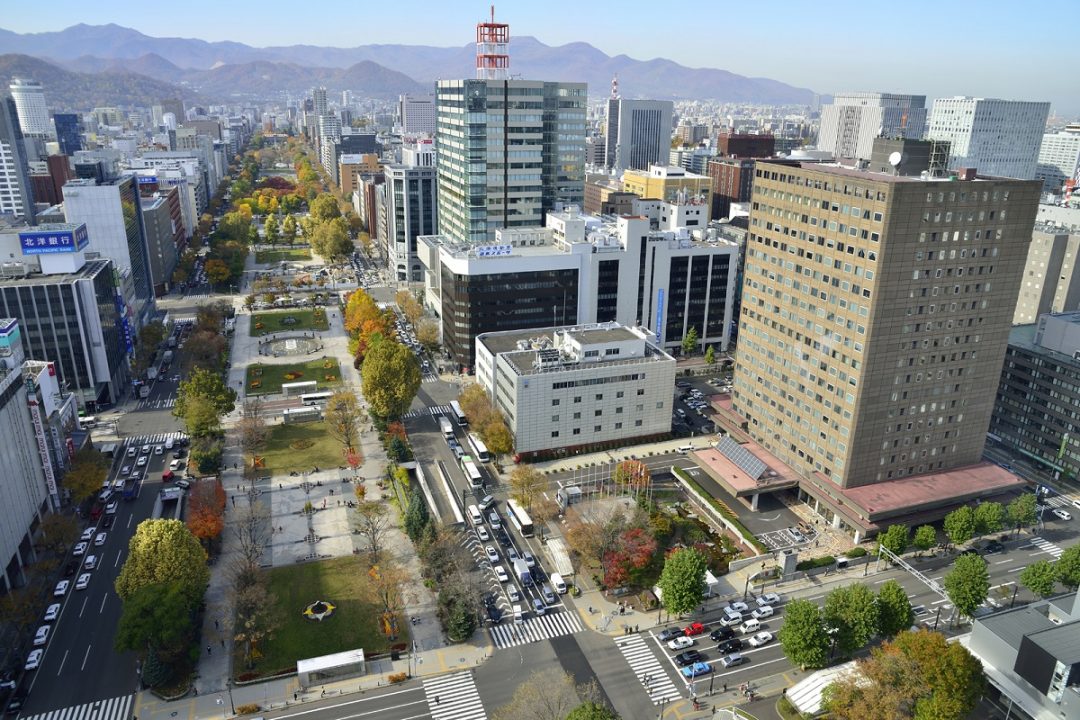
[(725, 687), (635, 628), (209, 650), (216, 624), (233, 498), (436, 699), (295, 697), (222, 643)]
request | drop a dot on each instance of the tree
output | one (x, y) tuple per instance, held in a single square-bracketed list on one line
[(205, 349), (895, 539), (955, 676), (967, 584), (373, 522), (257, 618), (690, 341), (416, 516), (201, 420), (206, 510), (1039, 577), (391, 377), (682, 581), (163, 551), (526, 482), (925, 538), (710, 355), (86, 473), (157, 617), (206, 454), (271, 230), (1022, 512), (344, 416), (251, 528), (894, 609), (989, 518), (21, 606), (853, 611), (59, 530), (547, 695), (150, 338), (592, 710), (217, 271), (542, 510), (803, 636), (476, 404), (387, 581), (458, 608), (497, 436), (960, 525), (324, 208), (208, 385), (331, 240), (427, 334), (252, 427), (632, 474), (633, 551), (1067, 567), (288, 229)]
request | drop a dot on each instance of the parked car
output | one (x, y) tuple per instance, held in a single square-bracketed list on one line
[(733, 659), (483, 534), (688, 657), (697, 669), (500, 572), (61, 588), (80, 549), (692, 629), (768, 599), (513, 594), (42, 635), (33, 660), (737, 606), (87, 534), (492, 554), (681, 643), (670, 634), (721, 633), (52, 612), (993, 547), (730, 646)]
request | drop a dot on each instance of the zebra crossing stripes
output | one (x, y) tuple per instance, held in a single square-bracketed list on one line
[(155, 439), (1047, 547), (156, 404), (433, 410), (643, 662), (454, 697), (117, 708), (548, 625), (1059, 501)]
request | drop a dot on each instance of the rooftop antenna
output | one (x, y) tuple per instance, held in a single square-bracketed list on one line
[(615, 88), (492, 49)]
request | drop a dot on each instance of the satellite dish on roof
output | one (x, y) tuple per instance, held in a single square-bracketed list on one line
[(895, 158)]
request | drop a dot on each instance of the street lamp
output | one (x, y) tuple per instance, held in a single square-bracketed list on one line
[(232, 706)]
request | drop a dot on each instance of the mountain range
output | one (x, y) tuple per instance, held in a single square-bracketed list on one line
[(221, 70)]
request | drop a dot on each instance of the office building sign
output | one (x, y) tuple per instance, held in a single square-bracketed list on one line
[(660, 316), (47, 241), (43, 448), (126, 331), (494, 250)]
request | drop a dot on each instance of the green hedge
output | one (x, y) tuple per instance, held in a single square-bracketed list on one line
[(856, 552), (727, 514), (813, 563)]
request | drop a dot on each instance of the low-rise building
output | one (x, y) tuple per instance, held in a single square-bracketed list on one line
[(672, 184), (577, 387)]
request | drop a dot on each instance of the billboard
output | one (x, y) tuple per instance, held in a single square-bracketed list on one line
[(46, 240), (494, 250)]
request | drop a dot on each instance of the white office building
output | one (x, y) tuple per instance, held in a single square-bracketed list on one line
[(416, 114), (850, 124), (1059, 159), (999, 138), (30, 103), (16, 197), (638, 133), (576, 387), (406, 211)]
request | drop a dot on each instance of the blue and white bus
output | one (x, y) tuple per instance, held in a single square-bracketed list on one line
[(459, 415), (316, 398), (479, 448), (519, 517)]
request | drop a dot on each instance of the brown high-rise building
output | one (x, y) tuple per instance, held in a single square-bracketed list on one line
[(875, 315), (745, 146)]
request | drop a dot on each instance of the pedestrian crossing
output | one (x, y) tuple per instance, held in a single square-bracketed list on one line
[(1059, 501), (117, 708), (647, 669), (422, 412), (1047, 547), (431, 379), (548, 625), (454, 697), (155, 439), (156, 404)]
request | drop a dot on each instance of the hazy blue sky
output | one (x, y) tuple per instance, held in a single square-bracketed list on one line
[(1000, 48)]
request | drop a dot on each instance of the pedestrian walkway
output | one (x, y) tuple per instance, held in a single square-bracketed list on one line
[(154, 439), (117, 708), (156, 404), (433, 410), (1060, 501), (647, 669), (548, 625), (454, 697), (1047, 547)]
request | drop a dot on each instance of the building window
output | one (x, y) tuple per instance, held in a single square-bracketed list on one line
[(554, 418), (577, 416), (554, 433), (577, 398), (598, 413), (596, 428), (618, 426), (577, 431), (618, 411), (637, 423), (554, 402), (619, 394), (599, 396), (640, 391), (660, 405)]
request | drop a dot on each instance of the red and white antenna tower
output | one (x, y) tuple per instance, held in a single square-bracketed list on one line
[(492, 49), (615, 87)]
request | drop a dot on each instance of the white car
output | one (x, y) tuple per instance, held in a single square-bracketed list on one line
[(125, 470), (80, 549), (52, 612), (141, 461), (492, 554), (500, 572), (762, 612), (483, 534), (90, 563), (111, 508), (738, 606), (768, 599), (61, 588), (42, 635), (146, 449), (83, 582), (513, 594), (87, 534), (762, 638), (100, 539), (1062, 514), (33, 660), (159, 450), (681, 643)]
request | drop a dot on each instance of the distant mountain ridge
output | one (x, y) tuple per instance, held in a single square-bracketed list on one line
[(101, 47)]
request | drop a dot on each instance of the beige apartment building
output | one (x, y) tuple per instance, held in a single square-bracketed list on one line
[(876, 310)]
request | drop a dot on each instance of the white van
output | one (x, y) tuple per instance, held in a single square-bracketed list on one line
[(683, 449), (519, 615), (750, 626), (558, 583), (475, 516), (169, 444)]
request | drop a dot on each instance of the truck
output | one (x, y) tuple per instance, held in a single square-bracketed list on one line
[(446, 427), (144, 391), (151, 373), (172, 341), (167, 357), (521, 570), (131, 488)]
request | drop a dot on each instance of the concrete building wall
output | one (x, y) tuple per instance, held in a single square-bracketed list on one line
[(998, 137)]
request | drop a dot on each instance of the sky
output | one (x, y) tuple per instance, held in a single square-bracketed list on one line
[(992, 48)]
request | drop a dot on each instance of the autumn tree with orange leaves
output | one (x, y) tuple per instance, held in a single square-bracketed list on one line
[(206, 511)]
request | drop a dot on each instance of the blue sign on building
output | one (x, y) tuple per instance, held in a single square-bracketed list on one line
[(146, 179), (660, 316), (55, 238)]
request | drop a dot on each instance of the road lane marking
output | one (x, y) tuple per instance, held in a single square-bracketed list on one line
[(1002, 562), (103, 599), (62, 661), (755, 665), (130, 518), (85, 599), (85, 658), (119, 554)]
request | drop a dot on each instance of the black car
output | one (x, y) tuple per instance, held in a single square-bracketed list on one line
[(970, 551), (721, 633), (71, 568), (993, 547), (494, 614), (730, 646), (500, 533), (688, 657), (538, 574), (670, 634), (108, 521)]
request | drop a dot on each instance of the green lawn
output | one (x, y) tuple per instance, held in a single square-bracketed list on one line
[(288, 254), (271, 377), (300, 446), (354, 624), (273, 322)]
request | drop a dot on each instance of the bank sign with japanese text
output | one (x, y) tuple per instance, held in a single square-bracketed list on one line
[(45, 241)]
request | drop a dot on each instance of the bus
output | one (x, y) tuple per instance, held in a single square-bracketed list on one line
[(295, 389), (519, 517), (316, 398), (455, 407), (472, 473), (479, 448), (300, 414), (88, 421), (446, 427)]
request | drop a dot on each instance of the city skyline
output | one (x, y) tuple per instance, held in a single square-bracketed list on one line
[(870, 48)]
